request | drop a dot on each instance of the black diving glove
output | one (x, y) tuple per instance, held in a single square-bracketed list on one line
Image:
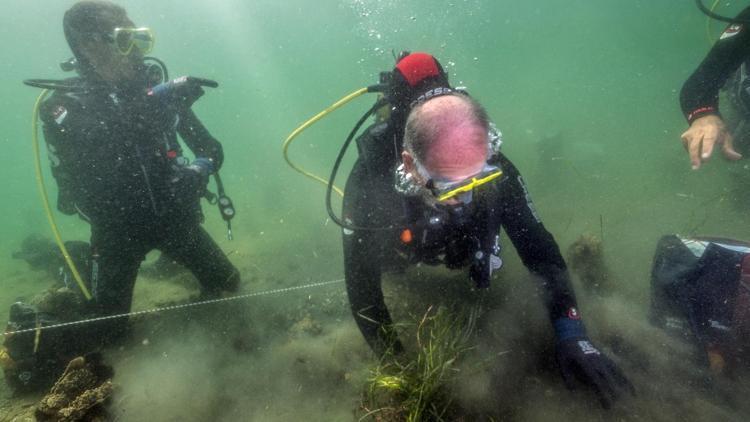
[(581, 362), (191, 180), (182, 92)]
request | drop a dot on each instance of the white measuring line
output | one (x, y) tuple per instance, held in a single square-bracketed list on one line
[(174, 307)]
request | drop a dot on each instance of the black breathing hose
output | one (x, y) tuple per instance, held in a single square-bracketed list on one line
[(53, 84), (380, 103), (161, 64), (716, 16)]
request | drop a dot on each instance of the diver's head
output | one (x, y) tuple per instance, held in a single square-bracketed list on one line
[(446, 148), (105, 42)]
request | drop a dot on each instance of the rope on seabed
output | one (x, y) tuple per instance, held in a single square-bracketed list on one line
[(175, 307)]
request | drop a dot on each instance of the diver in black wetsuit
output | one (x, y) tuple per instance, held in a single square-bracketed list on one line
[(699, 98), (433, 172), (114, 151)]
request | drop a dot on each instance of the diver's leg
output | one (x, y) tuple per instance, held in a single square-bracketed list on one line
[(194, 248), (116, 257)]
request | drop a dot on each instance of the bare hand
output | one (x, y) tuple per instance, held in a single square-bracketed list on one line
[(704, 133)]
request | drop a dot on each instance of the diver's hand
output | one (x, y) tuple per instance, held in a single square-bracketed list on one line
[(191, 180), (384, 342), (581, 362), (198, 171), (203, 166), (182, 92), (703, 134)]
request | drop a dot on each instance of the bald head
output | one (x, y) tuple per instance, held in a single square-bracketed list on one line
[(448, 135)]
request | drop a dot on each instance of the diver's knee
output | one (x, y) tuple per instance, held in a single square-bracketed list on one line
[(232, 283)]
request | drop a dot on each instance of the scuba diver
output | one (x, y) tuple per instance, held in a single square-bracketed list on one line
[(431, 186), (726, 65), (112, 138)]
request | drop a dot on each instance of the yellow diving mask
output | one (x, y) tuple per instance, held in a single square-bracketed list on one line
[(443, 190), (126, 39)]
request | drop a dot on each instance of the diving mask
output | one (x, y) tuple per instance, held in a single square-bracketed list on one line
[(461, 190), (126, 39)]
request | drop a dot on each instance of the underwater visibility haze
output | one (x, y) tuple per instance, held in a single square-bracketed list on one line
[(586, 94)]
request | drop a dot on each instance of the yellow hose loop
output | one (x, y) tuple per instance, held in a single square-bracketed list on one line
[(309, 123), (45, 198)]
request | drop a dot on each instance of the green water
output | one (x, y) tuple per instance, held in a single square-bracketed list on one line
[(602, 78)]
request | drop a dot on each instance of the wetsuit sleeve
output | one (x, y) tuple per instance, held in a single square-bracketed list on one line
[(63, 133), (700, 93), (363, 257), (535, 245), (198, 139)]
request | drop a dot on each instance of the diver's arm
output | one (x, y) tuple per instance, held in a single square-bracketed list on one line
[(700, 93), (198, 139), (535, 245), (362, 265), (699, 97), (363, 286), (579, 360)]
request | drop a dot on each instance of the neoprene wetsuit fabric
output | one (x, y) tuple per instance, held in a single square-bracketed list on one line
[(372, 201), (700, 93)]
